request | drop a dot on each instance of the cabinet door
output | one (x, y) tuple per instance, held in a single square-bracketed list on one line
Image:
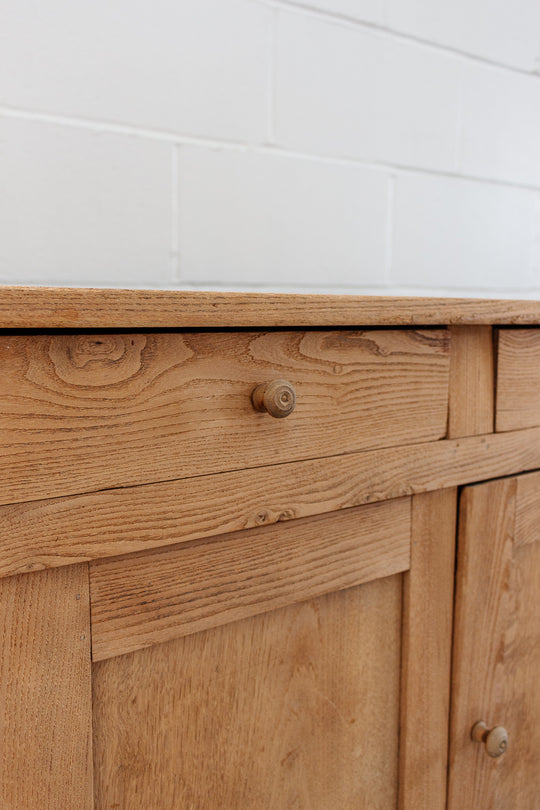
[(496, 671), (301, 665), (256, 670)]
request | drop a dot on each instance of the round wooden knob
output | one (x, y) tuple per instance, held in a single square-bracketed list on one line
[(495, 739), (277, 398)]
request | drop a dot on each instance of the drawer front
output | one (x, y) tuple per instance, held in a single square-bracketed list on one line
[(518, 379), (84, 412)]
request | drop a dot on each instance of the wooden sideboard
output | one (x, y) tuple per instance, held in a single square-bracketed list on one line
[(210, 601)]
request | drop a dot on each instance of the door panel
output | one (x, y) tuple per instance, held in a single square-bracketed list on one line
[(296, 708), (497, 646)]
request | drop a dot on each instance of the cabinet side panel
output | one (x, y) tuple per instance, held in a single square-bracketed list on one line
[(45, 692), (294, 708), (428, 592)]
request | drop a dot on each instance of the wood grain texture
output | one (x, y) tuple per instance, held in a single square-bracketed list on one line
[(85, 412), (45, 691), (527, 529), (296, 708), (472, 382), (76, 308), (428, 594), (518, 379), (483, 606), (152, 597), (60, 531), (497, 657), (518, 782)]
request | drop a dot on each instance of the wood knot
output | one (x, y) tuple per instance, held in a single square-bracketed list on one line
[(96, 360), (261, 518)]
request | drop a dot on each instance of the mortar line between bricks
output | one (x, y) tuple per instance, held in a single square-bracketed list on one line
[(383, 29), (89, 125), (116, 128)]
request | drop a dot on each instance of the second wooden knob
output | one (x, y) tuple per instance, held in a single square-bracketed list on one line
[(495, 739), (278, 398)]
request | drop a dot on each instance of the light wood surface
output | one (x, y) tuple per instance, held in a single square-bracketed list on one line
[(527, 528), (497, 646), (151, 597), (428, 594), (85, 412), (482, 609), (45, 691), (472, 382), (76, 308), (59, 531), (518, 379), (296, 708), (518, 781), (278, 631)]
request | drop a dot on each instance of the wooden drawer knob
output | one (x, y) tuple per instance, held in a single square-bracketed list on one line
[(495, 739), (277, 398)]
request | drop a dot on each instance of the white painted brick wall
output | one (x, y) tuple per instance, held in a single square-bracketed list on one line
[(348, 92), (502, 31), (195, 68), (462, 233), (262, 218), (363, 10), (501, 126), (379, 146), (78, 206)]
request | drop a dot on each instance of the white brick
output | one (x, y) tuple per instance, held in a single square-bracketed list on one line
[(536, 243), (185, 66), (501, 125), (349, 92), (458, 233), (262, 218), (363, 10), (77, 207), (499, 30)]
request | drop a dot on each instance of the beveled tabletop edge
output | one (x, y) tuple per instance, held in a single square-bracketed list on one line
[(89, 308)]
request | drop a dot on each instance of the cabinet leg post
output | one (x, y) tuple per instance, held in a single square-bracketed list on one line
[(426, 652), (45, 690)]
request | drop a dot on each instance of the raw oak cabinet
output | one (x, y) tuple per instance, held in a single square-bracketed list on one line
[(263, 552)]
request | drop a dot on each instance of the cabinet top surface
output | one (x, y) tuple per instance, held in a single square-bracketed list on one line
[(84, 308)]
